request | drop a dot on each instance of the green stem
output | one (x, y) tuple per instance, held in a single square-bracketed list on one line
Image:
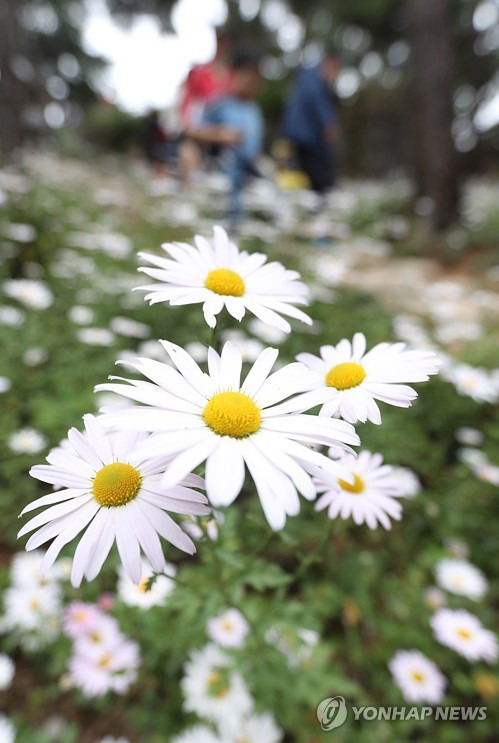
[(316, 555)]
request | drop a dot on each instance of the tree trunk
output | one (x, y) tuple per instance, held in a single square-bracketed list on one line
[(432, 61), (13, 93)]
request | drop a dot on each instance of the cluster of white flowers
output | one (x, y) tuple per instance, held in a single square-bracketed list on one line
[(218, 695), (103, 659), (133, 464), (418, 677), (32, 603)]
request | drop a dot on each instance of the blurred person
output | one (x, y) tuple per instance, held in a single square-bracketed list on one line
[(310, 121), (158, 144), (205, 84), (235, 124)]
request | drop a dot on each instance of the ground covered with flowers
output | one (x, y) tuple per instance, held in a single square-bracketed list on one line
[(278, 503)]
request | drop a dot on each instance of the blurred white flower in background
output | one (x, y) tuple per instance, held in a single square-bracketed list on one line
[(228, 629), (418, 677), (212, 689), (35, 356), (129, 328), (27, 441), (11, 316), (7, 671), (33, 294), (7, 730), (464, 633), (21, 233), (197, 734), (253, 729), (469, 436), (140, 594), (475, 382), (96, 336), (81, 315), (461, 577), (5, 384)]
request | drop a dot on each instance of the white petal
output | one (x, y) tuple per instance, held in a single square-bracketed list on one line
[(128, 544), (225, 472), (230, 367), (188, 460), (168, 529), (87, 546), (73, 528), (259, 371)]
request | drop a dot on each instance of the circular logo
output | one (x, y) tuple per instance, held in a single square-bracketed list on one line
[(332, 712)]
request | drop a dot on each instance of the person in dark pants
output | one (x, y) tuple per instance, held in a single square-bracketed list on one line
[(310, 121)]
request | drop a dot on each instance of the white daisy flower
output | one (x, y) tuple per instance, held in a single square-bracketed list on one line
[(461, 577), (418, 678), (228, 629), (141, 595), (218, 275), (113, 493), (212, 690), (252, 729), (214, 417), (7, 671), (371, 499), (464, 633), (355, 379)]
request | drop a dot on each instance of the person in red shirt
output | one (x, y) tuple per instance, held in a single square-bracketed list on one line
[(204, 84)]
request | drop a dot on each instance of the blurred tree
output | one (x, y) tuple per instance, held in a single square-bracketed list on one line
[(13, 91), (42, 64), (430, 32)]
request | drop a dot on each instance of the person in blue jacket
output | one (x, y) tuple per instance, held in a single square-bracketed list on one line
[(235, 125), (310, 121)]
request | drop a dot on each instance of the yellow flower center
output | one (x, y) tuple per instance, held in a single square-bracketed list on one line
[(217, 684), (344, 376), (464, 634), (357, 487), (232, 414), (105, 661), (116, 484), (226, 282), (417, 676)]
